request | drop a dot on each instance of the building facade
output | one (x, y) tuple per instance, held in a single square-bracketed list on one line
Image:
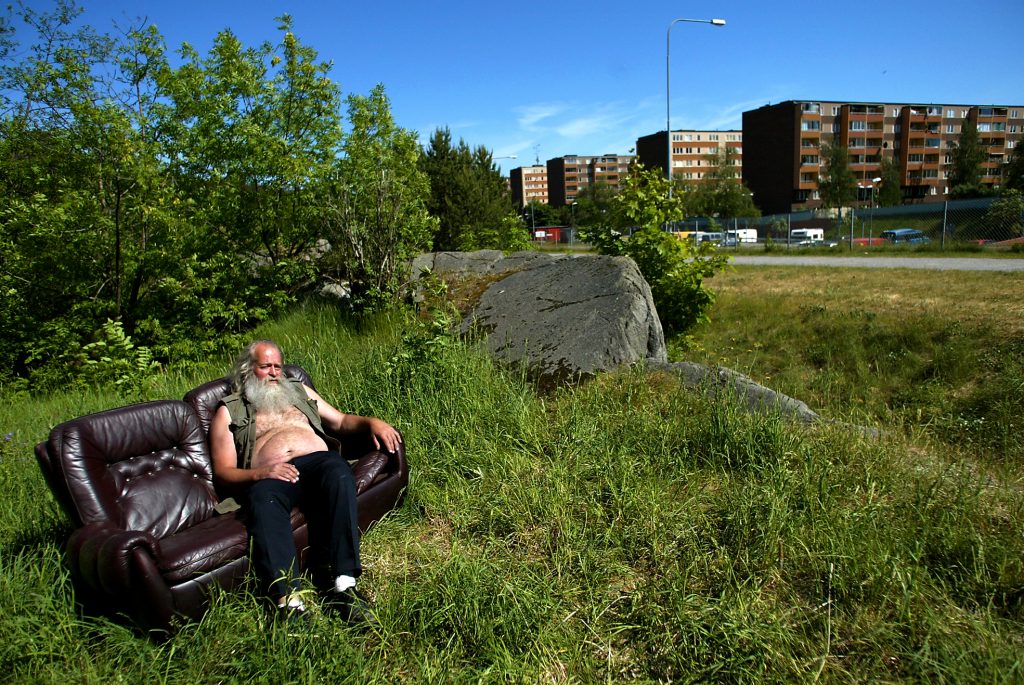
[(529, 184), (783, 145), (569, 175), (694, 153)]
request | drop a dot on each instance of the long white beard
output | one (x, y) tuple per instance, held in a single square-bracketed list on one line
[(267, 397)]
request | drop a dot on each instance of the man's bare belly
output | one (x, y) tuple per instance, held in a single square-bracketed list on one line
[(281, 437)]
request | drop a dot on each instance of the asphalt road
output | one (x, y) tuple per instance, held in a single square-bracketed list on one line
[(937, 263)]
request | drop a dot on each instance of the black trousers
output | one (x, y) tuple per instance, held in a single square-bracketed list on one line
[(326, 494)]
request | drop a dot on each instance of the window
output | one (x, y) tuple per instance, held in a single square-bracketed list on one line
[(999, 126), (935, 111), (809, 160), (810, 125), (915, 157), (932, 142), (858, 125), (713, 136), (810, 107), (984, 128), (856, 142), (835, 111), (951, 128)]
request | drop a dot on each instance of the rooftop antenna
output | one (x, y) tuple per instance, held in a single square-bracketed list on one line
[(536, 154)]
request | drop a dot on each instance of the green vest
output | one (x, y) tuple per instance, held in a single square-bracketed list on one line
[(243, 419)]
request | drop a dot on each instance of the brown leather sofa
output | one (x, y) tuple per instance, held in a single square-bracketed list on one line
[(137, 483)]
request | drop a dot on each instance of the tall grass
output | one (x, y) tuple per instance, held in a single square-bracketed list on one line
[(624, 531), (936, 352)]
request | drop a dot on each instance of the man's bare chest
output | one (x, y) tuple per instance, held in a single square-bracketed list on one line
[(268, 423)]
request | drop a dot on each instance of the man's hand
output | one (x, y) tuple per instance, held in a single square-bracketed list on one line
[(384, 435), (284, 470)]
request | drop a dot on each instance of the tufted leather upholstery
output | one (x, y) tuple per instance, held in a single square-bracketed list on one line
[(137, 483)]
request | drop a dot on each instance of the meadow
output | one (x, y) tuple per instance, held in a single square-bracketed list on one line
[(627, 530)]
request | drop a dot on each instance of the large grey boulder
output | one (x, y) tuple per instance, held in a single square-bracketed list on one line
[(567, 318)]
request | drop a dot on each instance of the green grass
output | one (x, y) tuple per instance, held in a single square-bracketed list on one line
[(937, 353), (625, 531)]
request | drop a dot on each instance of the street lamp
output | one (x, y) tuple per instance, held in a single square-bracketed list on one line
[(871, 217), (668, 82)]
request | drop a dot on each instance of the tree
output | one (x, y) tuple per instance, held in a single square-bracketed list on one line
[(376, 218), (1005, 216), (468, 194), (965, 170), (890, 192), (675, 269), (596, 206), (1013, 173), (720, 193), (838, 185)]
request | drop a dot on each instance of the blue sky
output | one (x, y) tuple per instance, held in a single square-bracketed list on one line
[(546, 79)]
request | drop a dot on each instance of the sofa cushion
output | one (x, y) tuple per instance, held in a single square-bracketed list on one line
[(202, 548)]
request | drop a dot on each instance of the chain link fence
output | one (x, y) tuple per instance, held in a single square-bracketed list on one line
[(954, 224)]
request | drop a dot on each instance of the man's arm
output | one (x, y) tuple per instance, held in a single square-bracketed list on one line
[(384, 435), (225, 456)]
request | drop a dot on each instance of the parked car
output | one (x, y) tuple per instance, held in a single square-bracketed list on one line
[(817, 243), (898, 236)]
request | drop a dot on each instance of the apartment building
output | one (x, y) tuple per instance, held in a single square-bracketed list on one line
[(783, 146), (569, 175), (691, 152), (529, 184)]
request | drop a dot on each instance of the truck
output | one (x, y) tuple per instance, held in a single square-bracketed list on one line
[(741, 235), (798, 235)]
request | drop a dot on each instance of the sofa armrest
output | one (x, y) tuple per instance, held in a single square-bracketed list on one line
[(102, 555)]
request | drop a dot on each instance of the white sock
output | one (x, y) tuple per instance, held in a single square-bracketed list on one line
[(342, 583)]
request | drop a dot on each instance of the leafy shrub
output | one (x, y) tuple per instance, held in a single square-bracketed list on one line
[(675, 269)]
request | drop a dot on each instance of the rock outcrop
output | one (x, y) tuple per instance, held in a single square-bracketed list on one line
[(566, 318)]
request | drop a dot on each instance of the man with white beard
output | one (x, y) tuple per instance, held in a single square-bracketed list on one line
[(268, 437)]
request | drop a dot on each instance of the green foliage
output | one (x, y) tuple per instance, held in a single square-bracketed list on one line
[(1007, 213), (838, 185), (375, 215), (187, 202), (965, 171), (595, 206), (889, 193), (675, 269), (113, 359), (468, 196), (720, 193), (629, 530), (1013, 172)]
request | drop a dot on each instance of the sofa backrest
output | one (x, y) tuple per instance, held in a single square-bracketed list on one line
[(141, 467), (205, 398)]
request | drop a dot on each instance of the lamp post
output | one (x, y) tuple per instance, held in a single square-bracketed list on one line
[(668, 83), (572, 229), (871, 217)]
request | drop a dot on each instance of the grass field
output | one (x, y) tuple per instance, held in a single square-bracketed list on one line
[(935, 352), (625, 531)]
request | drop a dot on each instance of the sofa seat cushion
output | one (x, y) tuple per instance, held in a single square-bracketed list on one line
[(207, 546), (202, 548)]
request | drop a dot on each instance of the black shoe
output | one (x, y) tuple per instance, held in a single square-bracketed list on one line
[(351, 606), (294, 620)]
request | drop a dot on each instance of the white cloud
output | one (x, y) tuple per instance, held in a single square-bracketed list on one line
[(531, 115)]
